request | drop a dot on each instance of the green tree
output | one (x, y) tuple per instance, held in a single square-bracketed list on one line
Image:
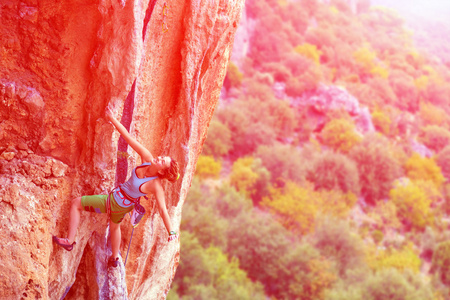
[(334, 171), (218, 142), (207, 272), (278, 71), (441, 262), (209, 210), (377, 168), (405, 90), (270, 255), (385, 284), (435, 137), (395, 285), (202, 218), (243, 118), (443, 161), (284, 163), (333, 238)]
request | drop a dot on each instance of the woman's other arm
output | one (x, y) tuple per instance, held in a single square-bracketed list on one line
[(161, 201)]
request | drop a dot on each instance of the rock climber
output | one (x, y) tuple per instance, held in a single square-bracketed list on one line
[(145, 179)]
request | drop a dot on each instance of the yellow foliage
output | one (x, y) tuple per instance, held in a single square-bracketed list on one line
[(430, 190), (423, 168), (365, 57), (234, 76), (207, 166), (340, 135), (421, 82), (405, 258), (242, 177), (334, 10), (380, 71), (310, 51), (413, 205), (381, 121), (297, 207)]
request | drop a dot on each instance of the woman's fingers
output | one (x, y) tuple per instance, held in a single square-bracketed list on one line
[(109, 111)]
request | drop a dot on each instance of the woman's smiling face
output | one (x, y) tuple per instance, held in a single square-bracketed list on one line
[(161, 162)]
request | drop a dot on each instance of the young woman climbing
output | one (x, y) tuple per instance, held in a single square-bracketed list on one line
[(145, 179)]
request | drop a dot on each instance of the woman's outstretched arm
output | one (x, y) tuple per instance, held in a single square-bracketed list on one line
[(145, 154), (161, 202)]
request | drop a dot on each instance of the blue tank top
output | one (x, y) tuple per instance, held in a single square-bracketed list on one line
[(131, 187)]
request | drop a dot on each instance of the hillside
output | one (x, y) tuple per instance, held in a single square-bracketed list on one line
[(325, 171)]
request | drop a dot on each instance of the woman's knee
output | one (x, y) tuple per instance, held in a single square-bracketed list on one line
[(114, 226), (76, 202)]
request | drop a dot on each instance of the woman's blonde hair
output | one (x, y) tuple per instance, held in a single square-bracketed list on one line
[(172, 172)]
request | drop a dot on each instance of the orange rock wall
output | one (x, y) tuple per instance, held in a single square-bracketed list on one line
[(61, 64)]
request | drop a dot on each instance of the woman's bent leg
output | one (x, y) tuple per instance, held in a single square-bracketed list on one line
[(115, 238), (74, 218)]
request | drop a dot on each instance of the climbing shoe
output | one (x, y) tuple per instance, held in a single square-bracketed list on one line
[(63, 243), (113, 262)]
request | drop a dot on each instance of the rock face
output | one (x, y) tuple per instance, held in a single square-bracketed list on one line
[(161, 66)]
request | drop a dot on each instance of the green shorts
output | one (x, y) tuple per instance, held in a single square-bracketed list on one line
[(97, 204)]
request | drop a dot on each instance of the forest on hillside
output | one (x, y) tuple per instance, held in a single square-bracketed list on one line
[(325, 171)]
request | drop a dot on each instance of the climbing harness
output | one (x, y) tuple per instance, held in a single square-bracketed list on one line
[(136, 215)]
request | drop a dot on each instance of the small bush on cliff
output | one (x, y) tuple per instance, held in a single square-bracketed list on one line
[(234, 77)]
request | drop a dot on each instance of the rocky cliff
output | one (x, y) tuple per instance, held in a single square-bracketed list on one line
[(161, 66)]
